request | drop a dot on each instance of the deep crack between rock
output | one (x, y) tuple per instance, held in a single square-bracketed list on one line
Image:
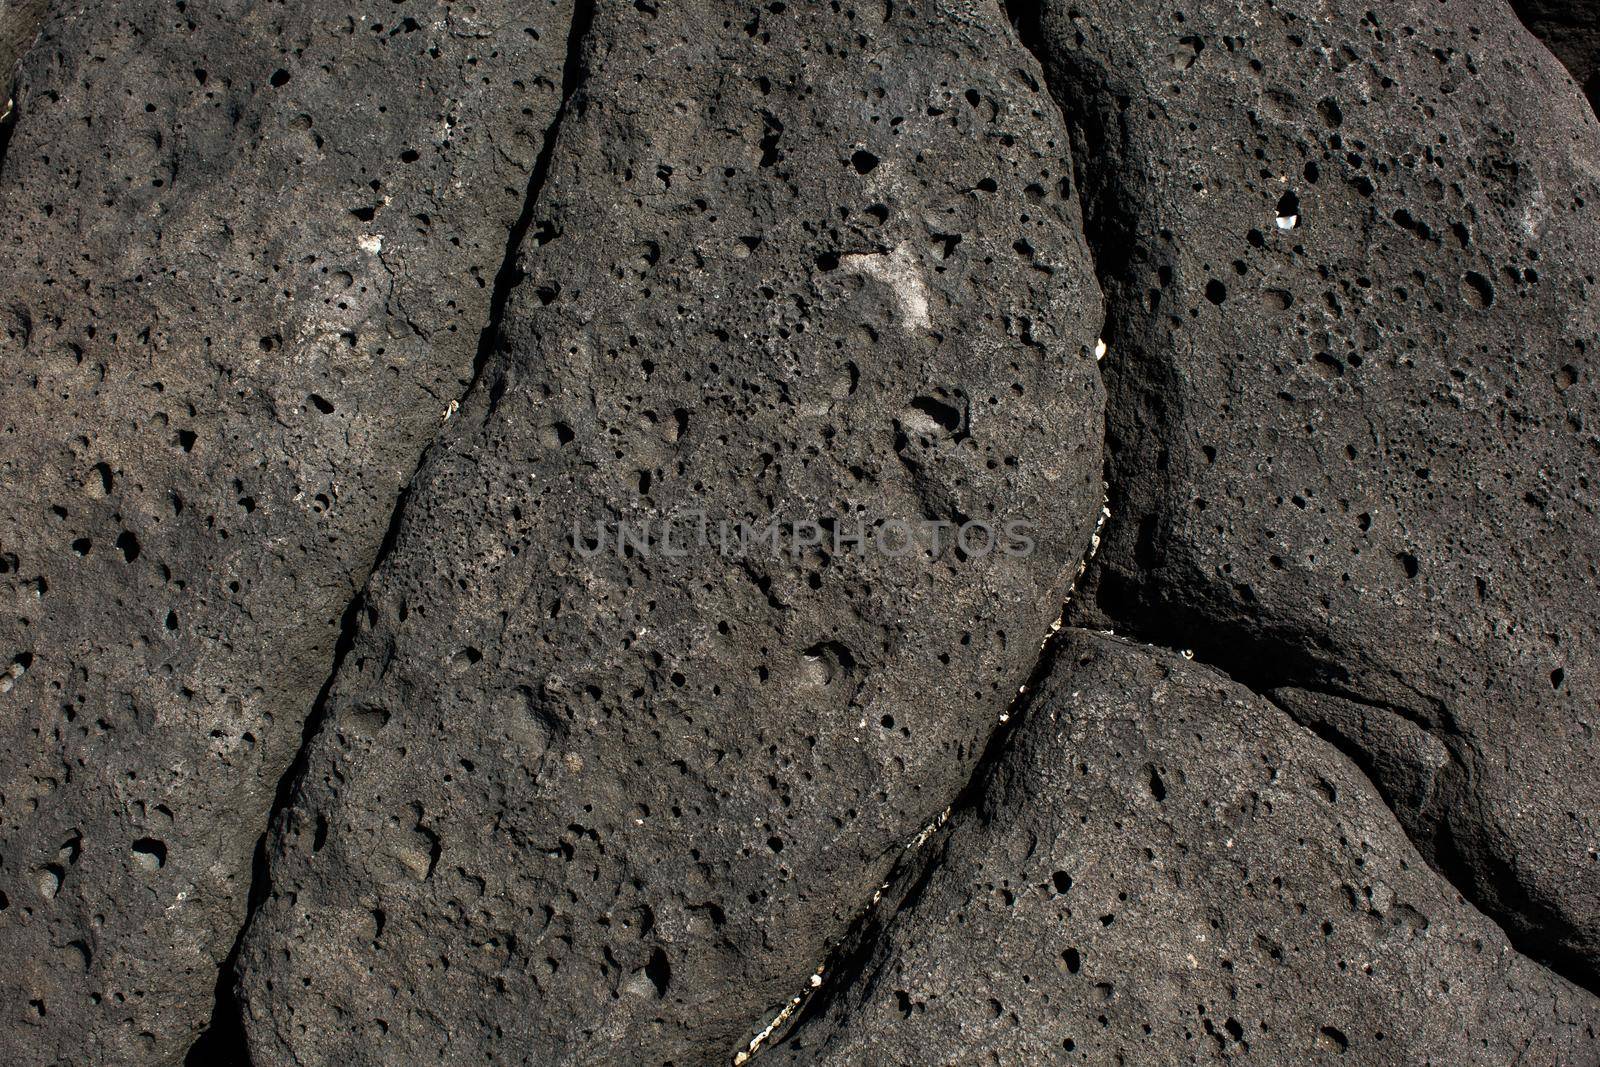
[(7, 125), (920, 858), (23, 22), (1109, 231), (1108, 239), (1249, 670), (223, 1041)]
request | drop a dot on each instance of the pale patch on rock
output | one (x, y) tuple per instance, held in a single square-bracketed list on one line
[(901, 273)]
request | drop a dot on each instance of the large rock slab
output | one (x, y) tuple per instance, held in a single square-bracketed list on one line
[(1162, 867), (806, 262), (1354, 418), (248, 251)]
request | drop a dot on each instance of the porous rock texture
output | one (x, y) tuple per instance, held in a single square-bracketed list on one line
[(815, 261), (342, 342), (1348, 254), (1163, 867), (248, 251)]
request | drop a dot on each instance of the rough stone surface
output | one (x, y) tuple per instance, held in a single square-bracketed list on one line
[(798, 262), (339, 345), (1165, 868), (248, 251), (19, 26), (1571, 28), (1349, 260)]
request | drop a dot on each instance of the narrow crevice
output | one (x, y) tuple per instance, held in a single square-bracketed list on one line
[(1444, 854), (8, 123), (1261, 669), (1261, 660), (846, 963), (223, 1042), (510, 272), (223, 1039), (21, 27)]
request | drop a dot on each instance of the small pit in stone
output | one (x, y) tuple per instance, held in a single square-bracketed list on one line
[(1288, 211), (1476, 291), (150, 854), (826, 663)]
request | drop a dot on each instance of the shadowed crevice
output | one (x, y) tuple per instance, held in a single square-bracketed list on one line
[(21, 26), (1090, 107), (223, 1042), (845, 965), (1262, 659)]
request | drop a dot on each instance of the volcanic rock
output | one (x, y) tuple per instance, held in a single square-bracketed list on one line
[(1353, 415), (1163, 867), (572, 804), (249, 251)]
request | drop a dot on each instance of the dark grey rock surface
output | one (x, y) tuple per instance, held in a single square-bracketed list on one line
[(340, 344), (801, 262), (1353, 421), (248, 251), (1163, 867)]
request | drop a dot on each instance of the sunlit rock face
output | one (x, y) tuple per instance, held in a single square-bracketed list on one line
[(848, 533)]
